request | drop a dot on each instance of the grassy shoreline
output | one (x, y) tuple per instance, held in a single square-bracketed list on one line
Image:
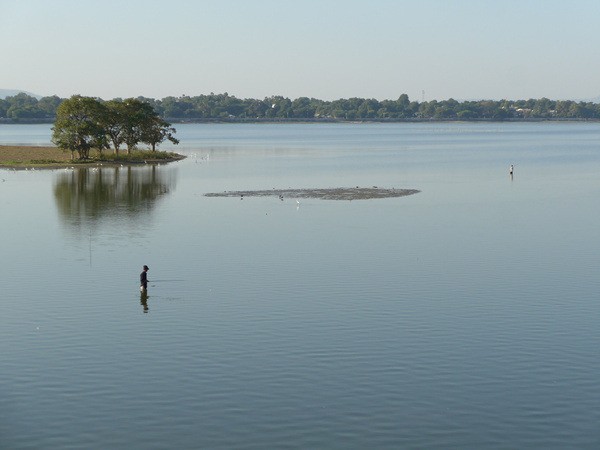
[(26, 156)]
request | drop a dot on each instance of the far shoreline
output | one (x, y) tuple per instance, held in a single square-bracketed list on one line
[(282, 120), (50, 157)]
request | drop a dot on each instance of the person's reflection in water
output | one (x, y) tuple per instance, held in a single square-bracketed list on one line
[(144, 300)]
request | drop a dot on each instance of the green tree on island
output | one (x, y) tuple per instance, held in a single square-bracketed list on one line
[(114, 122), (85, 123), (143, 124), (78, 126), (156, 130)]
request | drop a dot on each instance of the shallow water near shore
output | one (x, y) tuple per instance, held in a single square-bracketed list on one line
[(463, 316)]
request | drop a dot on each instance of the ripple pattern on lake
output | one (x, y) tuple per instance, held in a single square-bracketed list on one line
[(462, 317)]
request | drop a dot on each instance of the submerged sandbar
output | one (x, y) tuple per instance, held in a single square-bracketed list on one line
[(355, 193)]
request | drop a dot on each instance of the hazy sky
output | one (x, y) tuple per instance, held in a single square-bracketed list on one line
[(328, 49)]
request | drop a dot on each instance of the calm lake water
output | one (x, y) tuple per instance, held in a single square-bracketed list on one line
[(465, 316)]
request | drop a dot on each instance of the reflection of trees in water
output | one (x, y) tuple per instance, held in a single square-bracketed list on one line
[(88, 195)]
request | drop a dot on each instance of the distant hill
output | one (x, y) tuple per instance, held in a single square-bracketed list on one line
[(10, 92)]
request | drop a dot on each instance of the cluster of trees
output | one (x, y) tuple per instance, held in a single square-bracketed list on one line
[(85, 123), (228, 107), (224, 106), (23, 106)]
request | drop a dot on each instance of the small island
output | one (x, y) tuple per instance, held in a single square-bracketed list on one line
[(95, 131), (48, 157), (353, 193)]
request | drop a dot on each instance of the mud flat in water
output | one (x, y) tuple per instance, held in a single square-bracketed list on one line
[(356, 193)]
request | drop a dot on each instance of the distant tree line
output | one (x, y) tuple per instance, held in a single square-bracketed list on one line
[(23, 107), (86, 123)]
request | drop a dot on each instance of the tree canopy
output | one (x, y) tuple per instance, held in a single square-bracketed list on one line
[(83, 123), (78, 125), (225, 107)]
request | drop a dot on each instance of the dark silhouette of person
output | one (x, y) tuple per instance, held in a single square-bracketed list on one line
[(144, 279)]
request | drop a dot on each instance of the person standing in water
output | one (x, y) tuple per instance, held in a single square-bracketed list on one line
[(511, 169), (144, 279)]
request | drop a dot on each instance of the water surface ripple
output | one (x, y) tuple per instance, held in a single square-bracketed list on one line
[(462, 317)]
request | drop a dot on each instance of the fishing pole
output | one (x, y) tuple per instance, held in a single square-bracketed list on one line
[(164, 281)]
